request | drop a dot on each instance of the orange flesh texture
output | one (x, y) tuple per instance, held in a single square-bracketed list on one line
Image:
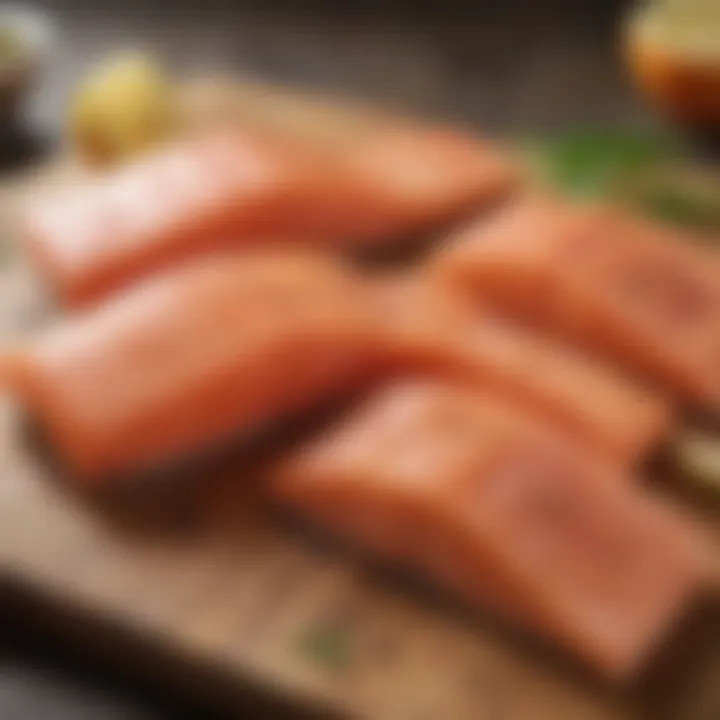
[(232, 189), (503, 511), (220, 190), (219, 347), (435, 330), (413, 180), (643, 297)]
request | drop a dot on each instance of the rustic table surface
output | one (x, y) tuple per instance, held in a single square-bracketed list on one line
[(511, 67)]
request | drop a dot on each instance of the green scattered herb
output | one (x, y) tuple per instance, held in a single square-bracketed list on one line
[(594, 164), (676, 194), (328, 645), (646, 173), (681, 209)]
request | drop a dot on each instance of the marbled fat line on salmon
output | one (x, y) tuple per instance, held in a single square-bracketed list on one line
[(641, 295), (185, 360), (433, 329), (504, 511), (246, 188)]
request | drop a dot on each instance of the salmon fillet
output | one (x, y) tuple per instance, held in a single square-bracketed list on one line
[(412, 180), (643, 296), (180, 363), (246, 188), (434, 330), (215, 191), (505, 512)]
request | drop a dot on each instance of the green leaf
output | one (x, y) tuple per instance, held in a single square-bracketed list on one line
[(592, 164), (644, 172)]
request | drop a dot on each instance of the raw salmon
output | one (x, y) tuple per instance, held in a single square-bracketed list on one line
[(417, 169), (492, 504), (432, 329), (413, 180), (218, 190), (248, 188), (639, 294), (215, 348)]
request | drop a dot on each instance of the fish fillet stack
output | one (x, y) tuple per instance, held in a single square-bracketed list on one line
[(514, 382)]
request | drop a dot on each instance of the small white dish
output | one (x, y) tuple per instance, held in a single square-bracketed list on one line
[(27, 35)]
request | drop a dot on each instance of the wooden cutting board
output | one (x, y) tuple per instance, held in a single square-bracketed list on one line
[(203, 587)]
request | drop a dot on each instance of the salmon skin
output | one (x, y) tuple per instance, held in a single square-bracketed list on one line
[(643, 296), (434, 330), (246, 188), (479, 497), (182, 362)]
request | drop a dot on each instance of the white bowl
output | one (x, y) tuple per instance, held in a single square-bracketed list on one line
[(36, 34)]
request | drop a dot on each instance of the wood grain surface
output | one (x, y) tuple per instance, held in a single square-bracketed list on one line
[(208, 575), (202, 585)]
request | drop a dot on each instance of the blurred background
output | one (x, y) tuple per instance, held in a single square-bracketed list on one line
[(510, 67)]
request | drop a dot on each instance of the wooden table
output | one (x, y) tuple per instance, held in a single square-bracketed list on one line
[(513, 67)]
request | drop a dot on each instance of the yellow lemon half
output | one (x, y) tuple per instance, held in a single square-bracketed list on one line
[(122, 108), (673, 50)]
